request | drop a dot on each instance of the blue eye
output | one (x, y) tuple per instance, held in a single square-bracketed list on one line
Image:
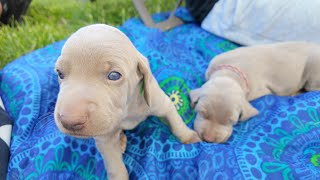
[(60, 74), (114, 75)]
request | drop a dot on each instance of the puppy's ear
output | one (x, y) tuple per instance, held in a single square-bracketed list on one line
[(202, 111), (145, 85), (194, 96), (248, 111)]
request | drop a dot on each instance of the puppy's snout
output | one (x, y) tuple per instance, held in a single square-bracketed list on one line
[(74, 117), (73, 123), (214, 138), (217, 135)]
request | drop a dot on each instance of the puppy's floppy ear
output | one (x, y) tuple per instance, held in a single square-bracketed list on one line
[(202, 110), (194, 96), (145, 85), (248, 111)]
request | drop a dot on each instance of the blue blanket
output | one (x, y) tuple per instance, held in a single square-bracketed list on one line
[(282, 142)]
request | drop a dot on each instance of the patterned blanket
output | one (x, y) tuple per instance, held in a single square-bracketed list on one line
[(282, 142)]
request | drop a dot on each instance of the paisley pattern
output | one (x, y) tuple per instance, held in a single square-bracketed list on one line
[(282, 142), (178, 91)]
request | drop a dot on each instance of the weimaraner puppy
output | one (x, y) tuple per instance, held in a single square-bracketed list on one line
[(244, 74), (106, 86)]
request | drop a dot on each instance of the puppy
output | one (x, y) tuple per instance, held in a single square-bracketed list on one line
[(106, 86), (244, 74)]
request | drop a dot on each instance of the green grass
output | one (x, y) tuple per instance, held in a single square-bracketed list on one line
[(49, 21)]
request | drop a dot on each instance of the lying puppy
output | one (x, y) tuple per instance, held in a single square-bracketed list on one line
[(239, 76), (106, 86)]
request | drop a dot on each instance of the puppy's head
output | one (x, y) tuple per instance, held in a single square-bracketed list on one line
[(99, 72), (219, 106)]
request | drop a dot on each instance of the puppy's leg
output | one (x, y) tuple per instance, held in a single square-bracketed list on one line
[(179, 128), (164, 107), (248, 111), (111, 150), (161, 106), (123, 142), (312, 84), (312, 73)]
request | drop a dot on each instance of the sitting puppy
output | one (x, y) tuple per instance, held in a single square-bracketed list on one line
[(244, 74), (106, 86)]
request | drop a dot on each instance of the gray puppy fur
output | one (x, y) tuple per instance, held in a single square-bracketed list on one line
[(106, 86), (281, 68)]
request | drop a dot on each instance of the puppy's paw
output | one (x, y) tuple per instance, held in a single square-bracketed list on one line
[(193, 138), (123, 142)]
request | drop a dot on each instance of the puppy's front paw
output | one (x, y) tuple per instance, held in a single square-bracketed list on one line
[(193, 138), (123, 142)]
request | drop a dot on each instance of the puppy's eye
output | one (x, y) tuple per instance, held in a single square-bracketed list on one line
[(114, 75), (60, 74)]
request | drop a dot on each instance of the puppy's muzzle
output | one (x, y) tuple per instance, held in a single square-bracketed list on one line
[(74, 117), (216, 138)]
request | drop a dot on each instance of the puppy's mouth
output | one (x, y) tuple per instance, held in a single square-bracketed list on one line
[(80, 130), (79, 133), (76, 133)]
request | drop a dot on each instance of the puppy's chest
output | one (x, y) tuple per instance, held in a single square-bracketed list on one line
[(132, 120), (135, 113)]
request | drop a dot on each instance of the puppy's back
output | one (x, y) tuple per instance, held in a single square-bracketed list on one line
[(262, 59)]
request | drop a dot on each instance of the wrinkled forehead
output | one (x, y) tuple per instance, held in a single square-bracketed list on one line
[(96, 55), (98, 33), (96, 46), (218, 108)]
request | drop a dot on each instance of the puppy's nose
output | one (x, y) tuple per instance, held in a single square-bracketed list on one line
[(213, 138), (207, 138), (73, 123)]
